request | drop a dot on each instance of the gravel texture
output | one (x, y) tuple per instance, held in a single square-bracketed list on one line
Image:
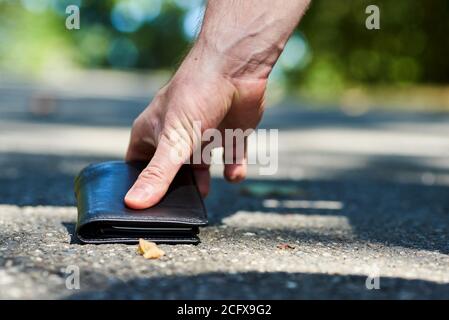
[(355, 197)]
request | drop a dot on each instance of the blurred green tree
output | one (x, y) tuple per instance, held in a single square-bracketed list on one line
[(331, 49)]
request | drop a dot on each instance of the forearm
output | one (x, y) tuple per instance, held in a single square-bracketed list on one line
[(244, 38)]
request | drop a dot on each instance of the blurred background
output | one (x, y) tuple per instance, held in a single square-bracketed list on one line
[(362, 155), (331, 60), (75, 93)]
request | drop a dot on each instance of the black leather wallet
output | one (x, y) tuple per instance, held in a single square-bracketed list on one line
[(103, 216)]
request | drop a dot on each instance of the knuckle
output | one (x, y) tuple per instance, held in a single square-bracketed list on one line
[(139, 120), (136, 122), (178, 139), (153, 174), (138, 126)]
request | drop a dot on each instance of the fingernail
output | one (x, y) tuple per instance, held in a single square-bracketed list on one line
[(139, 194)]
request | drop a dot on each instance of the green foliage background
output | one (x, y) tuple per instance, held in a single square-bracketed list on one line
[(412, 46)]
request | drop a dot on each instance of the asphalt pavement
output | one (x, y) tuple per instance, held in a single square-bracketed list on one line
[(357, 199)]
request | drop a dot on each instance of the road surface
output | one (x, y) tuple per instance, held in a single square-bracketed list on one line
[(355, 198)]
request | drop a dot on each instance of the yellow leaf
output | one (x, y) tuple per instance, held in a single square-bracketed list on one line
[(149, 250)]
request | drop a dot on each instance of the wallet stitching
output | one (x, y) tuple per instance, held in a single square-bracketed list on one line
[(193, 239), (103, 218)]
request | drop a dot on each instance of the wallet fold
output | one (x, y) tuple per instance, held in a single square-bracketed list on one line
[(103, 216)]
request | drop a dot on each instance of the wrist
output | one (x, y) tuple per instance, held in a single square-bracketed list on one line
[(243, 59), (203, 67)]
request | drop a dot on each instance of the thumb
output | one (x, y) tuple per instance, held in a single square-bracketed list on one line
[(154, 180)]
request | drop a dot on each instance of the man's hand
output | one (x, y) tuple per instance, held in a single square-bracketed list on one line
[(192, 95), (220, 84)]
